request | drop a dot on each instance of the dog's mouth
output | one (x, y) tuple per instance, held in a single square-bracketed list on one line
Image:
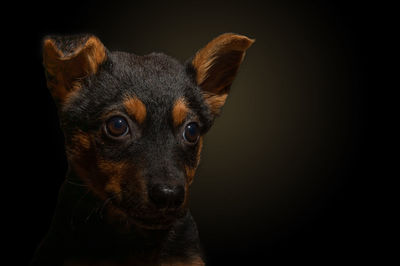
[(161, 220), (148, 217)]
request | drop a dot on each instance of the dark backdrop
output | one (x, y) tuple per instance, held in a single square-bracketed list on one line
[(285, 168)]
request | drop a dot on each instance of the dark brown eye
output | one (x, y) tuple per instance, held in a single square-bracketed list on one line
[(191, 133), (117, 126)]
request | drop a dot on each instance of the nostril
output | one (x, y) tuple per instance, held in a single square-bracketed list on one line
[(166, 196)]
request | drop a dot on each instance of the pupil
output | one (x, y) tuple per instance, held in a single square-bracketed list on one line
[(192, 129), (191, 132), (117, 126), (118, 123)]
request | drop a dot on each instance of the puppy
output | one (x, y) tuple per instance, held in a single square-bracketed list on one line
[(134, 128)]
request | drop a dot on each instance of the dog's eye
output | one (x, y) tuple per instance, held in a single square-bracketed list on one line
[(117, 126), (191, 133)]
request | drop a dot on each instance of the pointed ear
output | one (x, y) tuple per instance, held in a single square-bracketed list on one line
[(216, 66), (67, 60)]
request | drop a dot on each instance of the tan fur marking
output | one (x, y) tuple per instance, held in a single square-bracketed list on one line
[(54, 68), (65, 71), (115, 171), (215, 101), (199, 150), (216, 66), (136, 108), (80, 142), (204, 58), (179, 112), (95, 54), (191, 171), (83, 139)]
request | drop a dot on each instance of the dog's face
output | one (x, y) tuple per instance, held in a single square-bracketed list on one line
[(134, 125)]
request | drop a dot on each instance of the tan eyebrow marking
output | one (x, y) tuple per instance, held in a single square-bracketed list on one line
[(179, 112), (136, 108)]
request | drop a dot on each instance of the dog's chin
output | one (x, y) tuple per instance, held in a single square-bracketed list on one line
[(159, 221), (152, 224)]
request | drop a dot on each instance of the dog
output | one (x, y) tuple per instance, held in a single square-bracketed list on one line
[(134, 128)]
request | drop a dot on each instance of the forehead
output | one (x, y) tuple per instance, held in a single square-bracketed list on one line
[(157, 80), (154, 79)]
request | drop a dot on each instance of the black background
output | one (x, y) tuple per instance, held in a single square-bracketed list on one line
[(260, 195)]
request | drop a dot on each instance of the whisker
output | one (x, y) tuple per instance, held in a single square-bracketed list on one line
[(94, 210), (106, 202), (76, 184)]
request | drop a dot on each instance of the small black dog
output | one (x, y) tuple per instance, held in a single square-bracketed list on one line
[(133, 129)]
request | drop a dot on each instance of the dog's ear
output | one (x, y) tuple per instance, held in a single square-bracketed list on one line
[(216, 66), (67, 60)]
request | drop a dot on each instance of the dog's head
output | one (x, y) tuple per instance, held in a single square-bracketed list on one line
[(134, 125)]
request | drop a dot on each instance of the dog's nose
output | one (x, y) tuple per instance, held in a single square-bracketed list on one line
[(164, 196)]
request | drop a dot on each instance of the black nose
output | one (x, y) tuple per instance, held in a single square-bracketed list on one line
[(164, 196)]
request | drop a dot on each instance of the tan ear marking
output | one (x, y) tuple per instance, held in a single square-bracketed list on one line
[(93, 53), (64, 70), (216, 66), (225, 43), (136, 108), (215, 101)]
